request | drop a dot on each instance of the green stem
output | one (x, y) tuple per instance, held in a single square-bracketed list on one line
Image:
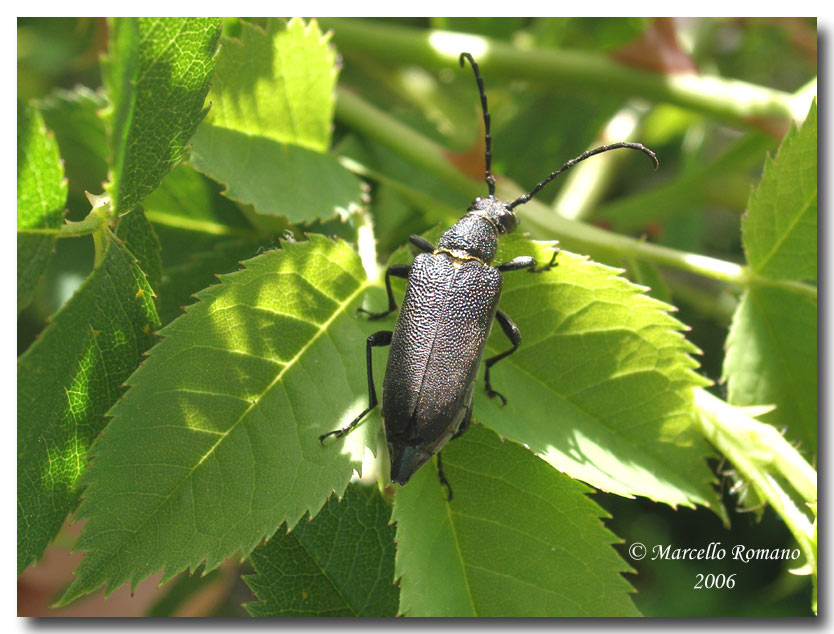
[(762, 457), (357, 113), (194, 224), (689, 189), (731, 100), (93, 223)]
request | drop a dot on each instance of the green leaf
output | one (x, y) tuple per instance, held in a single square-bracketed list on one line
[(66, 381), (41, 194), (157, 77), (244, 383), (140, 239), (519, 539), (199, 270), (73, 116), (772, 360), (269, 127), (601, 387), (780, 228), (238, 392), (339, 564)]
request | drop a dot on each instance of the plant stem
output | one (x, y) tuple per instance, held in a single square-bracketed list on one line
[(357, 113), (202, 226), (731, 100), (762, 457), (688, 189)]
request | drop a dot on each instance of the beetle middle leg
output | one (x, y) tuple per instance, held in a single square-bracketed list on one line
[(381, 338), (514, 335), (527, 262), (397, 270)]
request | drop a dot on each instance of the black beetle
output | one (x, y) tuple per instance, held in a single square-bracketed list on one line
[(447, 314)]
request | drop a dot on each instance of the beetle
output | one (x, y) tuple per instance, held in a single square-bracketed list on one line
[(450, 304)]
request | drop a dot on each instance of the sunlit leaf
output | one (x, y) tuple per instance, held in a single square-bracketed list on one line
[(241, 387), (454, 559), (246, 380), (601, 385), (41, 194), (157, 76), (268, 130), (339, 564), (780, 227)]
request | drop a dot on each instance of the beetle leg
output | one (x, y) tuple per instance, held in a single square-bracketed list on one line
[(443, 481), (514, 335), (527, 262), (421, 243), (398, 270), (381, 338)]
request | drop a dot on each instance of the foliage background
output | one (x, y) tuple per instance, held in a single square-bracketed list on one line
[(61, 53)]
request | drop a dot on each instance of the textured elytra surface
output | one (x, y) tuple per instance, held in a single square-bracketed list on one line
[(245, 382), (601, 385), (437, 346)]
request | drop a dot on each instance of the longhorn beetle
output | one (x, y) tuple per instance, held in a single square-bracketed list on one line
[(450, 303)]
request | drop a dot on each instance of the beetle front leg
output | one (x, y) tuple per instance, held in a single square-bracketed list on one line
[(514, 335), (527, 262), (421, 243), (381, 338), (397, 270)]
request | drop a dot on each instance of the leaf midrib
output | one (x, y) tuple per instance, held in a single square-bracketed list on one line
[(788, 231), (363, 286)]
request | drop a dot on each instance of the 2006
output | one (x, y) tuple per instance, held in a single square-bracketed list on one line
[(715, 581)]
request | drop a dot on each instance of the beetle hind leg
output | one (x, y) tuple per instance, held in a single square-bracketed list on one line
[(443, 481)]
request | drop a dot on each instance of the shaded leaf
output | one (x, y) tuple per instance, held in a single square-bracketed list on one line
[(241, 386), (772, 360), (73, 116), (66, 381), (339, 564), (269, 127), (780, 228), (41, 194), (140, 239), (453, 557), (157, 77)]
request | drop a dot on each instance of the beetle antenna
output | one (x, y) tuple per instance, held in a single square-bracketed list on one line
[(490, 179), (604, 148)]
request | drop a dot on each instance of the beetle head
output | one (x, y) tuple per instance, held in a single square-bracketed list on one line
[(498, 213)]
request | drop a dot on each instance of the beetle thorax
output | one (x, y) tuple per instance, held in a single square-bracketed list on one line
[(477, 233)]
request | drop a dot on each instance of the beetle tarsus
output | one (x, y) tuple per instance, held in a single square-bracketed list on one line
[(552, 264), (492, 394), (442, 476)]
